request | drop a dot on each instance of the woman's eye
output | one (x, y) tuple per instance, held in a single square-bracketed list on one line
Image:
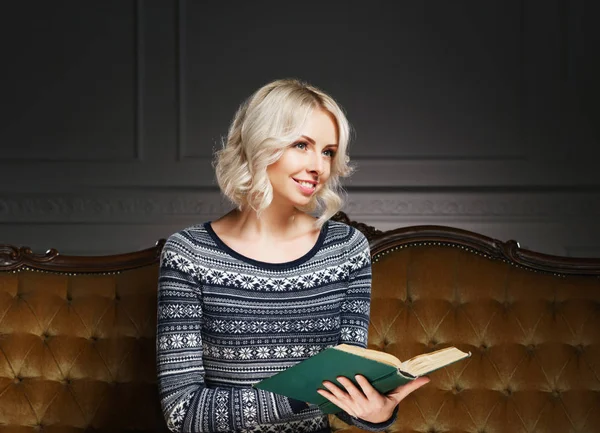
[(301, 145), (329, 153)]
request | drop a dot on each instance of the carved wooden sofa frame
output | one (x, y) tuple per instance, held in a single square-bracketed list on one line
[(77, 335)]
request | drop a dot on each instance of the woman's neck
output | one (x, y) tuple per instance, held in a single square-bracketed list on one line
[(272, 224)]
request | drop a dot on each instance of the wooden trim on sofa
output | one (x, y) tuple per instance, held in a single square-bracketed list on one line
[(15, 259), (509, 251)]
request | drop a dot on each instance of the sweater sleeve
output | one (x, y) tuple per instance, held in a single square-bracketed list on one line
[(355, 314), (188, 404)]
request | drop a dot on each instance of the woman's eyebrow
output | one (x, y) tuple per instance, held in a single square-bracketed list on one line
[(307, 138)]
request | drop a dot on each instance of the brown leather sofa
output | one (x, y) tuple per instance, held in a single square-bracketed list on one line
[(77, 335)]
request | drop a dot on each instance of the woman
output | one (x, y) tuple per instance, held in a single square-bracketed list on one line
[(268, 285)]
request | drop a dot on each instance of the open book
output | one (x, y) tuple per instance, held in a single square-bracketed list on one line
[(384, 371), (416, 366)]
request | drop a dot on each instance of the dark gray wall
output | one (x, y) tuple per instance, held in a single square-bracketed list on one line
[(479, 115)]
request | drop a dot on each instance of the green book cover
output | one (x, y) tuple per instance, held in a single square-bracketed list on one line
[(303, 379)]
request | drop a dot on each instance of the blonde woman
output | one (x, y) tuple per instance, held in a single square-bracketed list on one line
[(268, 284)]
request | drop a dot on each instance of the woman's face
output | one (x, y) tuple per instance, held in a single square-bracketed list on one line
[(305, 165)]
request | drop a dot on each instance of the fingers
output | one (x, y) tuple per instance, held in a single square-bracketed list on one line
[(366, 402), (368, 389), (355, 399), (402, 391), (337, 396), (351, 388)]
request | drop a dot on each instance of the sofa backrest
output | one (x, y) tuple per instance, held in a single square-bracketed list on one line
[(77, 342), (530, 321), (77, 335)]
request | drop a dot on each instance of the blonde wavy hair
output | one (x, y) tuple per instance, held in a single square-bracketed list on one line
[(267, 123)]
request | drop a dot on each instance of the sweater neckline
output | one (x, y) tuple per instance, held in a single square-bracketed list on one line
[(268, 265)]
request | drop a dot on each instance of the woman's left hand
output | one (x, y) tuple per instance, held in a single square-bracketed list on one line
[(367, 403)]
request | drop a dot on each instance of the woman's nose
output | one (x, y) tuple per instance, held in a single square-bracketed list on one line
[(316, 163)]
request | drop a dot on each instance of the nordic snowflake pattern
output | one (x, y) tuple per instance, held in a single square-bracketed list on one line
[(252, 320), (216, 277), (223, 326)]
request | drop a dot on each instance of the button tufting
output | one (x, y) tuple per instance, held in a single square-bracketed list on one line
[(457, 388), (508, 391), (484, 347), (556, 393)]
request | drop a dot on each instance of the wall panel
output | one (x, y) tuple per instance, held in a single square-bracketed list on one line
[(478, 115)]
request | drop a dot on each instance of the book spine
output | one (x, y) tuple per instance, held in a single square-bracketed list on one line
[(387, 383)]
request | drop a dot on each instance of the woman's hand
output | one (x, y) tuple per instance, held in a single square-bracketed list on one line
[(367, 403)]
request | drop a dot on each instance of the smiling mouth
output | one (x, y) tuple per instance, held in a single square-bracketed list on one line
[(306, 184)]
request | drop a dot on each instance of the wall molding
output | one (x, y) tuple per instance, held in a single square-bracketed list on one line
[(138, 60), (152, 206)]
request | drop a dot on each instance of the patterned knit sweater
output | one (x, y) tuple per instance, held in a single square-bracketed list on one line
[(226, 321)]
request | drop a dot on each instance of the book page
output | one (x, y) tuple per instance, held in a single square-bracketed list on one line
[(375, 355), (427, 362)]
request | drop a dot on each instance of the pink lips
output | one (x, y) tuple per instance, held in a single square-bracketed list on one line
[(304, 189)]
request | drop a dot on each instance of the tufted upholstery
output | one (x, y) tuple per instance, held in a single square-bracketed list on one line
[(77, 351), (534, 339), (77, 336)]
